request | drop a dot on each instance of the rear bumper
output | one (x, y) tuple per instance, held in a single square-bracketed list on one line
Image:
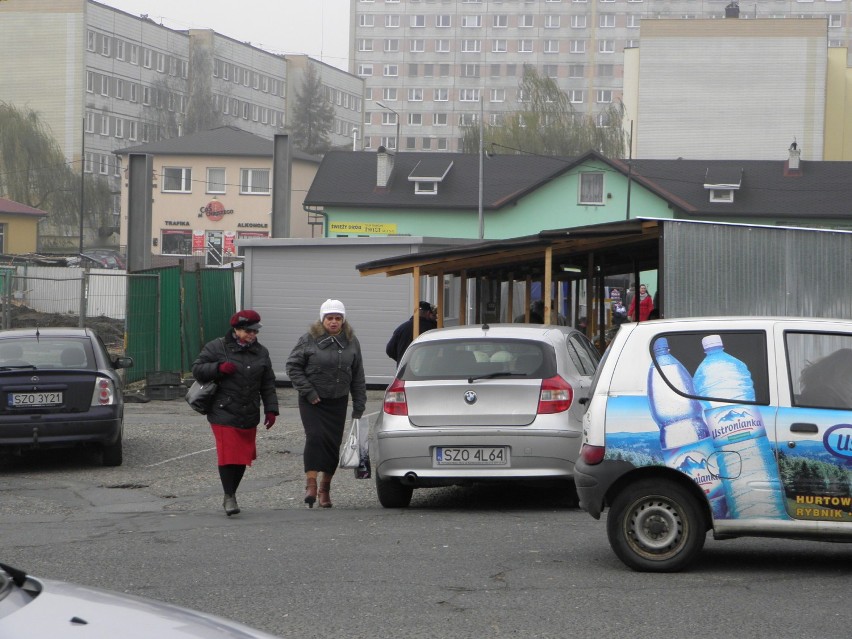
[(98, 427), (532, 454), (593, 482)]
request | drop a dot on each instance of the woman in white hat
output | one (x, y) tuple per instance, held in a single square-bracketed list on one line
[(325, 367)]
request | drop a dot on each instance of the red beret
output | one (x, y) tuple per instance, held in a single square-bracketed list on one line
[(246, 318)]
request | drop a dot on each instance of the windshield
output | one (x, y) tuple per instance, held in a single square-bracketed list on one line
[(46, 352)]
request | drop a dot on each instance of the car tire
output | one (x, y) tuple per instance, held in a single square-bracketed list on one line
[(112, 454), (656, 526), (392, 494)]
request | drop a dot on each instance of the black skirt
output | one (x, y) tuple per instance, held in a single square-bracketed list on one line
[(324, 424)]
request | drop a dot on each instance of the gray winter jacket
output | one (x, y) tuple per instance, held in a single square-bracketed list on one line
[(237, 401), (329, 366)]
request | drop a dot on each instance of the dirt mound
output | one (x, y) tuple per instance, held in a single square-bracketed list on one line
[(111, 331)]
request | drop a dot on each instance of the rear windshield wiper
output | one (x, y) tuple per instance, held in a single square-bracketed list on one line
[(19, 367), (471, 379)]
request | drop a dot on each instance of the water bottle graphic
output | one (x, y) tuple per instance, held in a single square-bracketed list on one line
[(684, 437), (746, 460)]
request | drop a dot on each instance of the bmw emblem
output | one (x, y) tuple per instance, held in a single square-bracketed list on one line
[(470, 397)]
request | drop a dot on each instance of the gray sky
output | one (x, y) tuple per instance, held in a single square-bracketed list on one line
[(318, 28)]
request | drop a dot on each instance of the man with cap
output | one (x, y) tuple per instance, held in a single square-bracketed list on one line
[(403, 335), (242, 369)]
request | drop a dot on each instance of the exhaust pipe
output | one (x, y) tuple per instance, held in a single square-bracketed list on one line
[(410, 479)]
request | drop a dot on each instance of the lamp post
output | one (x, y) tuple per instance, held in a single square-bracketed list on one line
[(397, 122), (481, 174)]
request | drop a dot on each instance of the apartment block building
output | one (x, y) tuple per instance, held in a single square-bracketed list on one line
[(431, 65), (103, 79)]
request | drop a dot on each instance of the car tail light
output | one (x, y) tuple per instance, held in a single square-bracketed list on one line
[(556, 396), (395, 402), (592, 455), (104, 394)]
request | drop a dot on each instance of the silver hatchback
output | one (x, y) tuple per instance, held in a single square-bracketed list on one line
[(482, 403)]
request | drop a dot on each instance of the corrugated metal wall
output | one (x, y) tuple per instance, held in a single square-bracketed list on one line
[(718, 269)]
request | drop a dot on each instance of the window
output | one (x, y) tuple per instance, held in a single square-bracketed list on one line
[(469, 95), (440, 119), (105, 41), (365, 44), (134, 92), (442, 144), (721, 195), (147, 57), (550, 70), (470, 71), (215, 180), (443, 21), (441, 95), (444, 70), (119, 89), (525, 46), (415, 95), (367, 20), (499, 46), (132, 129), (134, 54), (471, 46), (471, 21), (500, 21), (633, 20), (442, 46), (415, 119), (389, 94), (119, 49), (365, 70), (552, 22), (119, 128), (607, 20), (104, 85), (90, 82), (467, 119), (526, 20), (551, 46), (605, 70), (392, 45), (89, 164), (576, 96), (104, 125), (392, 20), (90, 122), (254, 182), (177, 179), (391, 70), (835, 21), (604, 96), (818, 369), (103, 165), (91, 40), (591, 188), (175, 242), (577, 46), (410, 144), (161, 63), (576, 70), (418, 22), (498, 95), (606, 46), (417, 45), (578, 22)]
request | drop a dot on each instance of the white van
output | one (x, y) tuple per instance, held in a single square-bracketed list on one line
[(742, 425)]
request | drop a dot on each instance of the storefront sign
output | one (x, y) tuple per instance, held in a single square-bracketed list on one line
[(228, 246), (198, 241), (252, 225), (215, 210), (176, 223), (364, 228)]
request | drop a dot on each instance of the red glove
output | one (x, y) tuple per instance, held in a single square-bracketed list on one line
[(227, 368), (269, 421)]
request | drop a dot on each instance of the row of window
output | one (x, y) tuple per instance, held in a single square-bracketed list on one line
[(602, 96), (247, 111), (110, 86), (248, 78), (342, 98), (112, 47), (179, 242), (523, 45), (177, 179), (574, 70)]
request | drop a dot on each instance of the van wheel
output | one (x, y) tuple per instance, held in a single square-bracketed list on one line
[(656, 526), (392, 494)]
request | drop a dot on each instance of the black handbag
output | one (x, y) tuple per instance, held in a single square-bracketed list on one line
[(200, 395)]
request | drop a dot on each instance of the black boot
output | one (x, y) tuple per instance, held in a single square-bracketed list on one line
[(230, 504)]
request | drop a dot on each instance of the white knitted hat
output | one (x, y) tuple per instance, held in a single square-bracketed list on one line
[(332, 306)]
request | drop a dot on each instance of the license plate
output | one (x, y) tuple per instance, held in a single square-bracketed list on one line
[(34, 399), (472, 456)]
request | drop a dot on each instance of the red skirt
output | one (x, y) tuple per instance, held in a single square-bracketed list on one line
[(235, 445)]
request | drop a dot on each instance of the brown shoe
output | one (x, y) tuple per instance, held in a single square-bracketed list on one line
[(311, 491), (324, 494)]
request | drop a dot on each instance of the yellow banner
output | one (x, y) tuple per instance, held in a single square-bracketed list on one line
[(363, 228)]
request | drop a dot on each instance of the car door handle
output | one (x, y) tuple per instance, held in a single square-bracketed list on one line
[(800, 427)]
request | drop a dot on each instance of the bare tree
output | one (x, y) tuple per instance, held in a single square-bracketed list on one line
[(313, 116), (549, 124), (200, 112)]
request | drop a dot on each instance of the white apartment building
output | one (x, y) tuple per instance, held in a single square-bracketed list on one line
[(427, 64), (103, 79)]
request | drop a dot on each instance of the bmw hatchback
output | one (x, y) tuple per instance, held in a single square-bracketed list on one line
[(482, 403), (59, 387)]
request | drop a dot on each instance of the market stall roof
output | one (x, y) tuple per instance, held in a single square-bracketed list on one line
[(613, 248)]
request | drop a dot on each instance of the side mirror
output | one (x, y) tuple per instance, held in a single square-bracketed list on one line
[(122, 362)]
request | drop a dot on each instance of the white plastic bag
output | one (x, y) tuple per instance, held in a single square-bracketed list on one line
[(350, 453)]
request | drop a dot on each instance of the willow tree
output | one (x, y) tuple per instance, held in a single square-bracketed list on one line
[(548, 124), (35, 172)]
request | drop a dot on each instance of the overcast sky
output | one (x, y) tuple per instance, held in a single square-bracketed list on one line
[(318, 28)]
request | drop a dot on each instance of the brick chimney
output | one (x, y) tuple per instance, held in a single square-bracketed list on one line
[(791, 166), (384, 167)]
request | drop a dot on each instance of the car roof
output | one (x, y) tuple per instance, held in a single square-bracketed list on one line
[(47, 331), (739, 320), (517, 331)]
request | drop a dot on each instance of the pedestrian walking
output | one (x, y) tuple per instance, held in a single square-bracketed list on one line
[(241, 367), (325, 367), (403, 335)]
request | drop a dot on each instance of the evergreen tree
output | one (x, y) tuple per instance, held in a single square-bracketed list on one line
[(549, 125), (313, 116), (200, 112)]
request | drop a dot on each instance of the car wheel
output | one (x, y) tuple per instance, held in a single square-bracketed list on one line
[(656, 526), (111, 454), (392, 494)]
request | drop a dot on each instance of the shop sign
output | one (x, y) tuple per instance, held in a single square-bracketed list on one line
[(363, 228), (215, 210)]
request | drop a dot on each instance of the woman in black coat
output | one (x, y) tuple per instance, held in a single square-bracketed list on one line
[(242, 368), (325, 366)]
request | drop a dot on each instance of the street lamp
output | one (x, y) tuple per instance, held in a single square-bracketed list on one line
[(397, 121)]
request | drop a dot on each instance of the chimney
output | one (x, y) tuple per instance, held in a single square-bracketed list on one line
[(384, 167), (732, 10), (792, 168)]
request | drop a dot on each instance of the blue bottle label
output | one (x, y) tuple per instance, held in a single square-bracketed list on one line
[(694, 460), (730, 424)]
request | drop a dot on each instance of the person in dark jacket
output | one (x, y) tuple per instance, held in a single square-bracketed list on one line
[(242, 368), (325, 367), (403, 335)]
